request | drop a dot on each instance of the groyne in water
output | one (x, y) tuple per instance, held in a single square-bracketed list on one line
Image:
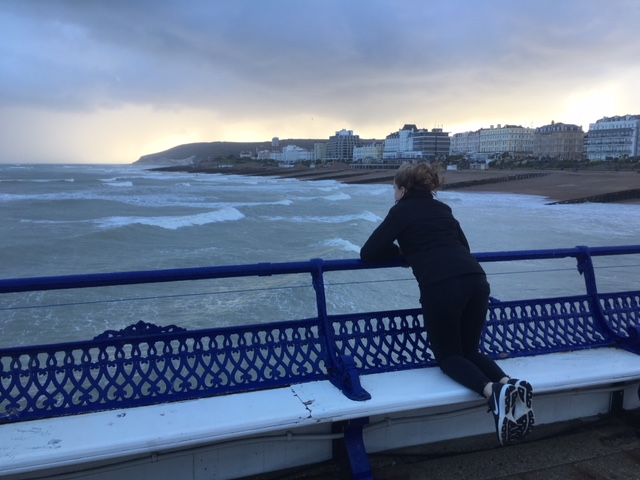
[(486, 181), (621, 196), (462, 184)]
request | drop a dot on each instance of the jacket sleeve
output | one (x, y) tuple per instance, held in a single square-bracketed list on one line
[(380, 246), (463, 238)]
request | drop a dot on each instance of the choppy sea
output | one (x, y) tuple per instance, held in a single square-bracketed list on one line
[(77, 219)]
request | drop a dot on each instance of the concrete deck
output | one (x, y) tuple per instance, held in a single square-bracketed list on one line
[(604, 447)]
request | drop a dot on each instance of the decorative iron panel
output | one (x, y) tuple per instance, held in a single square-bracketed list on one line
[(384, 341), (532, 327), (621, 311), (388, 341), (123, 370)]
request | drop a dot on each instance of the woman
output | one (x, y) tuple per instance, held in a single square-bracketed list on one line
[(454, 293)]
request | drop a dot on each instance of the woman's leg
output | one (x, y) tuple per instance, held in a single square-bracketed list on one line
[(443, 305), (472, 323)]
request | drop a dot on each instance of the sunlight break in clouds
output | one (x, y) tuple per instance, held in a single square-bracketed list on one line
[(111, 81)]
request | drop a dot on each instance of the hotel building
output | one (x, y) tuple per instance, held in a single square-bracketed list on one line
[(613, 137), (558, 141)]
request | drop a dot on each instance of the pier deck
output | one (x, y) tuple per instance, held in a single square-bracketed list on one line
[(603, 447)]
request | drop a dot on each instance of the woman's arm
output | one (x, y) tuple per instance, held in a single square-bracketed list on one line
[(380, 246)]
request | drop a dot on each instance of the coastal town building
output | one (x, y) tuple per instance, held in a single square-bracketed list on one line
[(293, 154), (465, 143), (400, 144), (558, 141), (411, 142), (319, 151), (607, 138), (433, 144), (613, 137), (288, 154), (487, 143), (514, 140), (371, 153), (264, 155), (340, 146)]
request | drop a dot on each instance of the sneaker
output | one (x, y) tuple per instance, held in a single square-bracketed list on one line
[(501, 404), (522, 410)]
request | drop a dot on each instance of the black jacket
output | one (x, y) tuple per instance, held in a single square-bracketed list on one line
[(430, 239)]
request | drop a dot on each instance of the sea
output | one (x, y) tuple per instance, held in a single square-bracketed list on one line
[(85, 219)]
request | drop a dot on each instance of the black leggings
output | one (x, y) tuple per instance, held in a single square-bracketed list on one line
[(454, 313)]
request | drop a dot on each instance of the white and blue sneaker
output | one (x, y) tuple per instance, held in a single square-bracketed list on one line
[(502, 403)]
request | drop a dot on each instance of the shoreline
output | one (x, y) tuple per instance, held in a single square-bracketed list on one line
[(556, 186)]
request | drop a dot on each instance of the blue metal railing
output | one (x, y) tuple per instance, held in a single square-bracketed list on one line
[(145, 364)]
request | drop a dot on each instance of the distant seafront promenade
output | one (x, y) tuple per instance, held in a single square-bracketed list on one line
[(556, 185)]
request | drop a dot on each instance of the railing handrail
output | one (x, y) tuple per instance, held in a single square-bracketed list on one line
[(15, 285), (144, 364)]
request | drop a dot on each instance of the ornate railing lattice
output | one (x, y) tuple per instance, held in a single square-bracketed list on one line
[(145, 364), (621, 311), (384, 341), (541, 326), (125, 370)]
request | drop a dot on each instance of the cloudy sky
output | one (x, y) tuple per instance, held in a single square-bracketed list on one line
[(108, 81)]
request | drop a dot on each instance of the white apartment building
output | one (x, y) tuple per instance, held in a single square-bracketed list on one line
[(400, 144), (292, 154), (489, 142), (613, 137), (512, 139), (466, 143), (288, 154)]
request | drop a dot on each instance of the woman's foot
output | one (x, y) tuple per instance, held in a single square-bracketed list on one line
[(522, 410), (501, 403)]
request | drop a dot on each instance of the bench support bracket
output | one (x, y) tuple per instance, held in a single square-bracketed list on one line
[(356, 450)]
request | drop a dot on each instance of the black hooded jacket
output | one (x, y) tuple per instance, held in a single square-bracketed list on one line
[(429, 236)]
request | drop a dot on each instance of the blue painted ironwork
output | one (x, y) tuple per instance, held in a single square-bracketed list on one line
[(145, 364), (140, 328), (621, 312), (384, 341), (342, 369), (120, 372), (356, 449)]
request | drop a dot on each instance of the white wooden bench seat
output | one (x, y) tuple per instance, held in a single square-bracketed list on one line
[(196, 433)]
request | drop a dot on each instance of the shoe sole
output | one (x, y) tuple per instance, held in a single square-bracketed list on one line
[(523, 416), (506, 428)]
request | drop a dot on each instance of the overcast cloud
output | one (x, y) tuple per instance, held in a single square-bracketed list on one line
[(109, 81)]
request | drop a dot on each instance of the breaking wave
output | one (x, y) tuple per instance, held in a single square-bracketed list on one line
[(367, 216), (173, 223)]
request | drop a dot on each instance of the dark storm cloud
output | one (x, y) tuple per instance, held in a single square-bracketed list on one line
[(367, 64), (69, 54)]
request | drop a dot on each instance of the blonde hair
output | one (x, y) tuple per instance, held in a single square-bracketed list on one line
[(424, 176)]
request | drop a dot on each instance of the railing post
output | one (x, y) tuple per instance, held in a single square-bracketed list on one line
[(341, 368), (585, 267)]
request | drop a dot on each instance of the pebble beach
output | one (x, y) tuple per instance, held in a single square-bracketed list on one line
[(555, 185)]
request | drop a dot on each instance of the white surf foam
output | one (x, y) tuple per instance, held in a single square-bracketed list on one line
[(342, 244), (124, 183), (173, 223), (332, 198), (368, 216)]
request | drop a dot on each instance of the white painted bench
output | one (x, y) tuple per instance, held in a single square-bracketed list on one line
[(238, 434), (241, 434)]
